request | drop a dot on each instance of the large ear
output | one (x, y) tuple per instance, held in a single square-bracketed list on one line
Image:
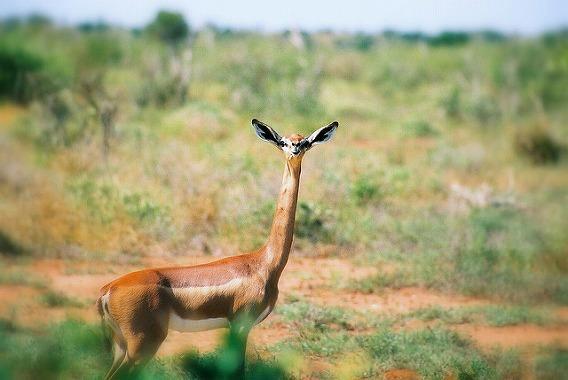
[(323, 134), (266, 133)]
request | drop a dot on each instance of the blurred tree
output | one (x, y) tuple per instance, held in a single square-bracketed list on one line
[(100, 51), (169, 27), (37, 20), (25, 75), (449, 39)]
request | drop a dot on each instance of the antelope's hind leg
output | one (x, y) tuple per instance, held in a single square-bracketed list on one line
[(142, 318), (119, 356)]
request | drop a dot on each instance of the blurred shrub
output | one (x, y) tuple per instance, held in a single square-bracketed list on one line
[(493, 251), (305, 315), (165, 82), (312, 222), (56, 121), (358, 41), (413, 350), (8, 246), (484, 110), (55, 299), (224, 364), (551, 364), (271, 76), (106, 202), (97, 26), (451, 104), (419, 128), (98, 51), (170, 27), (366, 189), (449, 38), (68, 350), (25, 75), (538, 146), (74, 349), (141, 208)]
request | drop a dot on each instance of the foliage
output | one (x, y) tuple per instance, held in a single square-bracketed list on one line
[(496, 249), (537, 145), (365, 189), (502, 315), (449, 39), (434, 353), (312, 222), (170, 27), (420, 115), (225, 363), (311, 316), (73, 349), (55, 299), (419, 128), (24, 74), (8, 246), (551, 364)]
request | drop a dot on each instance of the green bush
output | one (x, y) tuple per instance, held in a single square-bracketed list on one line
[(537, 145), (451, 104), (65, 351), (170, 27), (312, 222), (224, 364), (24, 75), (366, 189), (552, 364), (419, 128), (449, 38), (8, 246), (434, 353), (55, 299)]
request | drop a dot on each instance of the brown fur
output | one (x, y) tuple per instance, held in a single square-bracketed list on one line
[(140, 303)]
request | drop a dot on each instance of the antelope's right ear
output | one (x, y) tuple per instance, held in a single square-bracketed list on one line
[(266, 133)]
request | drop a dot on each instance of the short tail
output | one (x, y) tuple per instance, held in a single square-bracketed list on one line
[(107, 338)]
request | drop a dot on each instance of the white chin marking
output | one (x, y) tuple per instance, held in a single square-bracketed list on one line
[(191, 325)]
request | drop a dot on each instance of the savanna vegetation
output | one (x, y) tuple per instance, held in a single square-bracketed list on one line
[(447, 177)]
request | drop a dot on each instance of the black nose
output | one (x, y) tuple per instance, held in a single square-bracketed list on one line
[(295, 150)]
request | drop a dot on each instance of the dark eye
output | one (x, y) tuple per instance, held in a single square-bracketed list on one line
[(281, 143)]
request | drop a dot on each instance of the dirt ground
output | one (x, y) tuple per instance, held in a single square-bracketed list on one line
[(310, 278)]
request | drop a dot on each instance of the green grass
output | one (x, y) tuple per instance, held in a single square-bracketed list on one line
[(54, 299), (185, 173), (73, 349), (297, 312), (434, 354), (492, 315), (12, 277), (551, 364), (488, 252)]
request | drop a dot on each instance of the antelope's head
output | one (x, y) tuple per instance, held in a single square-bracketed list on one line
[(294, 146)]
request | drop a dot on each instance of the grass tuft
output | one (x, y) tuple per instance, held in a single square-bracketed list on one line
[(56, 300)]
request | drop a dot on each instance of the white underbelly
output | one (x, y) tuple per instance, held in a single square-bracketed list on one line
[(189, 325)]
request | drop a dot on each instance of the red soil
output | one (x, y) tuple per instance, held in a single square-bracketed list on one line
[(75, 279)]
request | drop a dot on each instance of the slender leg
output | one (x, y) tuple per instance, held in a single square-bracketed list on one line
[(243, 350), (119, 358), (238, 335)]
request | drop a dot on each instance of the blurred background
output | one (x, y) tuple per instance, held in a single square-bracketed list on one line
[(431, 231)]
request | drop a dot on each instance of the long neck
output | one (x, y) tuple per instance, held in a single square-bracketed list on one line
[(282, 231)]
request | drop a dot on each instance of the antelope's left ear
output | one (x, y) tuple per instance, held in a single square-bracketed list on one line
[(323, 134)]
